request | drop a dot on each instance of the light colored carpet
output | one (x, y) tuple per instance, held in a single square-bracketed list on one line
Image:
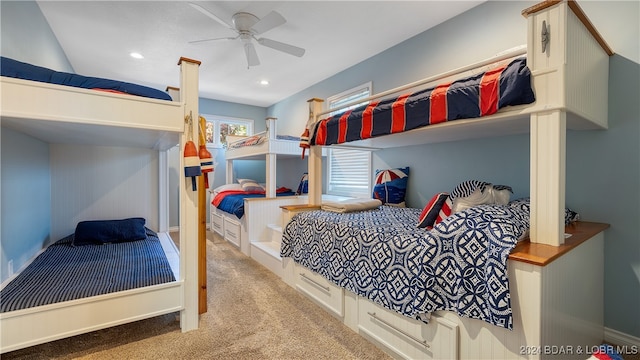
[(251, 314)]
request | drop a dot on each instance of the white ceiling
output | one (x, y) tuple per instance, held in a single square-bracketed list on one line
[(97, 37)]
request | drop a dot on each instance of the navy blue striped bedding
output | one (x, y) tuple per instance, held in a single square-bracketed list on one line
[(234, 203), (65, 272), (17, 69), (472, 97)]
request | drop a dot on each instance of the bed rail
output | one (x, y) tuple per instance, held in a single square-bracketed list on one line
[(505, 55)]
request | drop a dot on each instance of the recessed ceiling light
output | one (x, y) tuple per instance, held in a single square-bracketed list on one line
[(136, 55), (264, 82)]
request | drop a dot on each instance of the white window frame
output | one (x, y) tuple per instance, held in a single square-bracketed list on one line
[(216, 120), (362, 156)]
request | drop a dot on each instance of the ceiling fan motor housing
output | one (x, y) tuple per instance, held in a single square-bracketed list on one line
[(243, 21)]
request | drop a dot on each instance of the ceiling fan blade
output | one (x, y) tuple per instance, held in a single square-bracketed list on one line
[(268, 22), (214, 39), (277, 45), (211, 15), (252, 55)]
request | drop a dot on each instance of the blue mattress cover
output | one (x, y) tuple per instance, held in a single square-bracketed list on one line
[(17, 69), (65, 272)]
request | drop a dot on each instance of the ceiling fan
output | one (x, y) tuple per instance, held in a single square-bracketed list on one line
[(247, 26)]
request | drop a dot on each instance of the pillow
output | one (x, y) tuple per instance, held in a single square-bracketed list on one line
[(479, 196), (475, 192), (438, 208), (525, 204), (107, 231), (501, 194), (466, 188), (303, 188), (249, 185), (227, 187), (390, 186)]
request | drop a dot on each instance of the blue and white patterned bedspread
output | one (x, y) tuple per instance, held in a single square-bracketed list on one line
[(380, 254)]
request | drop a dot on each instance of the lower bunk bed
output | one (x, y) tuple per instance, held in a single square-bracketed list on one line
[(80, 284), (463, 289), (232, 206)]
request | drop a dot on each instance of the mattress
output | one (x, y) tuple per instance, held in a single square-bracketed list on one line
[(65, 272), (21, 70), (472, 97), (381, 254)]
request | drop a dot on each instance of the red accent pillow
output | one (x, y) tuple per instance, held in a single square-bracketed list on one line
[(438, 208)]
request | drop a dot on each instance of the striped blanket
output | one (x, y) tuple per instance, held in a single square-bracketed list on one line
[(476, 96), (65, 272)]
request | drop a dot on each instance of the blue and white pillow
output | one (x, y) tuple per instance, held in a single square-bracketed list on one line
[(390, 186)]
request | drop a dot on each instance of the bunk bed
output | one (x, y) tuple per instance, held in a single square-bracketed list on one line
[(252, 232), (550, 314), (102, 115)]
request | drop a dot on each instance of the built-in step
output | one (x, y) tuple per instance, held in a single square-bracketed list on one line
[(267, 252)]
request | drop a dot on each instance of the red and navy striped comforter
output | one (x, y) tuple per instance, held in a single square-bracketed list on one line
[(479, 95)]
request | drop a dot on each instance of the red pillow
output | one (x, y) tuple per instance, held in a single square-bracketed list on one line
[(438, 208)]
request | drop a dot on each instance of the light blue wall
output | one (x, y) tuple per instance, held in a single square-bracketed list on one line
[(25, 196), (603, 181), (26, 36), (25, 184)]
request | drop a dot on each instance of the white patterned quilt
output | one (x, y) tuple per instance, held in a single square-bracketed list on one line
[(382, 255)]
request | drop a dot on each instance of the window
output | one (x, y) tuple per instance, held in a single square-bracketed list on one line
[(218, 127), (349, 170)]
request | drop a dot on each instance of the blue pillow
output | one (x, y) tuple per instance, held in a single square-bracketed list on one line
[(303, 188), (108, 231), (390, 186)]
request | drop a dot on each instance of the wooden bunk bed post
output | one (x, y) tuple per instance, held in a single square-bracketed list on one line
[(315, 158), (189, 316), (570, 75)]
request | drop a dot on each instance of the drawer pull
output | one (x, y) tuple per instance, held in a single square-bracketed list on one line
[(313, 282), (421, 342), (231, 233)]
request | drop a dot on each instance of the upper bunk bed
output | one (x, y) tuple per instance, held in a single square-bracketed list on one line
[(64, 113), (565, 64), (61, 107), (257, 146), (266, 146)]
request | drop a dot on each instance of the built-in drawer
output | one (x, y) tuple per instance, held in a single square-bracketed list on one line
[(410, 339), (217, 223), (319, 289), (232, 231)]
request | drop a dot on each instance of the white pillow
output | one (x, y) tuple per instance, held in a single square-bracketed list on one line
[(477, 197), (227, 187)]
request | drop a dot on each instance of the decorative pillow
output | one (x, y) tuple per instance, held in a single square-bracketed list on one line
[(227, 187), (438, 208), (501, 194), (466, 188), (479, 196), (303, 188), (390, 186), (107, 231), (249, 185), (525, 204), (475, 192)]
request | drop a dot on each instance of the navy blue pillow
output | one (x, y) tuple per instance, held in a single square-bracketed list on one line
[(108, 231)]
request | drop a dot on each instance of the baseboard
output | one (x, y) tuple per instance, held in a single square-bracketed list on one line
[(620, 338), (177, 228)]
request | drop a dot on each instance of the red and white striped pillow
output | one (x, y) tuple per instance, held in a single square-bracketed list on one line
[(438, 208)]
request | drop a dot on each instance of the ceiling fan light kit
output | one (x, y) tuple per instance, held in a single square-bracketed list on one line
[(247, 26)]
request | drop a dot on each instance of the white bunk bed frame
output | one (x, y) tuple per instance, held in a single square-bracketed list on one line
[(65, 114), (553, 315), (255, 237)]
